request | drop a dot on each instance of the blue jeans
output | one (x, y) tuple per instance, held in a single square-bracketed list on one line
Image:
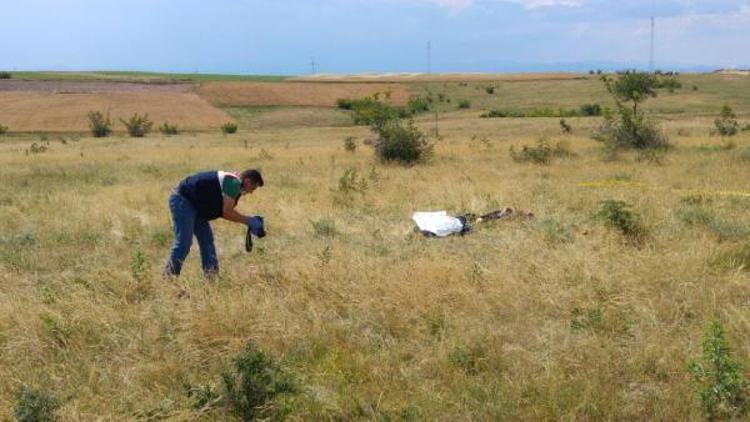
[(186, 222)]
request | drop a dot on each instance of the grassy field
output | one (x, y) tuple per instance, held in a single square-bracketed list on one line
[(551, 318), (155, 77)]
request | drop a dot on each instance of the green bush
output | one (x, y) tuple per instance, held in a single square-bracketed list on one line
[(490, 90), (542, 153), (591, 110), (35, 406), (350, 182), (464, 104), (167, 129), (418, 104), (533, 112), (618, 215), (374, 113), (726, 124), (401, 144), (718, 378), (5, 75), (100, 125), (138, 126), (3, 130), (256, 385), (228, 128), (345, 103)]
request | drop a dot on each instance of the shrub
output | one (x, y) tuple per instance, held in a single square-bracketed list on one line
[(35, 406), (591, 110), (167, 129), (229, 128), (350, 144), (138, 126), (617, 215), (464, 104), (374, 113), (100, 125), (350, 182), (719, 382), (565, 127), (670, 83), (5, 75), (418, 105), (255, 385), (542, 153), (3, 130), (726, 124), (490, 90), (401, 144), (345, 103), (746, 128)]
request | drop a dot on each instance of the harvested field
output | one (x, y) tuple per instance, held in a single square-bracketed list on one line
[(44, 111), (77, 87), (325, 94), (441, 77)]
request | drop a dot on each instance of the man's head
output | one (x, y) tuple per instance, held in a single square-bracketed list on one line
[(251, 180)]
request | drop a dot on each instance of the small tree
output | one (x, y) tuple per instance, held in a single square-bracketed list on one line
[(138, 126), (229, 128), (727, 124), (168, 129), (635, 87), (100, 124)]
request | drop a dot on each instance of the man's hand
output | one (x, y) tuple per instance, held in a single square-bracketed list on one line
[(256, 226)]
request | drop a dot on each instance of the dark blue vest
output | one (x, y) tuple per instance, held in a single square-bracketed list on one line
[(204, 193)]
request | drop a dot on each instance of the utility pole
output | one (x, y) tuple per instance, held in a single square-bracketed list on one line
[(651, 50), (313, 64), (429, 57)]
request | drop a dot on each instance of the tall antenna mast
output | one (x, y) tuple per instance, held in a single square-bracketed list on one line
[(312, 64), (651, 50), (429, 57)]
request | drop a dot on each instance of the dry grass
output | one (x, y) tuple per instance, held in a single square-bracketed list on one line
[(35, 111), (555, 318), (239, 94), (443, 77)]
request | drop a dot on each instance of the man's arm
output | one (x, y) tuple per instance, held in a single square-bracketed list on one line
[(230, 213)]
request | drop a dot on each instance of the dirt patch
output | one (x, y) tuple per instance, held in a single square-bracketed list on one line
[(42, 111), (442, 77), (320, 94), (75, 87)]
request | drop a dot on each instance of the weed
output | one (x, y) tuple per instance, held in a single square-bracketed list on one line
[(255, 385), (464, 104), (138, 126), (418, 104), (35, 406), (202, 396), (490, 90), (167, 129), (350, 182), (100, 124), (138, 266), (726, 124), (402, 144), (325, 256), (542, 153), (350, 144), (585, 319), (229, 128), (471, 360), (735, 257), (718, 377), (695, 215), (3, 130), (324, 227), (618, 215), (555, 232), (565, 127)]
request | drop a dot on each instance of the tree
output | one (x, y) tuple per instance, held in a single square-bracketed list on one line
[(633, 86)]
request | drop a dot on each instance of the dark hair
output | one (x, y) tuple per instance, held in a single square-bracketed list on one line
[(253, 175)]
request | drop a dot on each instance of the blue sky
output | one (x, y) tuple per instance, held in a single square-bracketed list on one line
[(348, 36)]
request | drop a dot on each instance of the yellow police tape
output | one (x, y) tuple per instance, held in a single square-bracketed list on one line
[(613, 183)]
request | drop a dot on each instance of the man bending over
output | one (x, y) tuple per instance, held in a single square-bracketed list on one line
[(203, 197)]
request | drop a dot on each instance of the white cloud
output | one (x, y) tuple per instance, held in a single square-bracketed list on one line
[(536, 4)]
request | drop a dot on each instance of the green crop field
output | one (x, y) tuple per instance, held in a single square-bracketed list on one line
[(561, 316)]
